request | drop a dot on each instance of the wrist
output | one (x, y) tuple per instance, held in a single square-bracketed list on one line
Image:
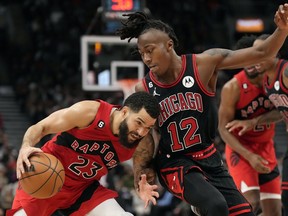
[(247, 155), (255, 121)]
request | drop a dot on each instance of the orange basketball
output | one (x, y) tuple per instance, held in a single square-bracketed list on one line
[(44, 178)]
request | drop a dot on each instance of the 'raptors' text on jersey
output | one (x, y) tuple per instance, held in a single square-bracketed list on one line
[(188, 116), (253, 102), (90, 152), (276, 90)]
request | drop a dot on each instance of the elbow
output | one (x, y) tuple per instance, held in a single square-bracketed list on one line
[(221, 129), (264, 54), (222, 132)]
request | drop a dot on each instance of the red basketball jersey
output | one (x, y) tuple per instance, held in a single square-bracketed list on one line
[(252, 103), (87, 154)]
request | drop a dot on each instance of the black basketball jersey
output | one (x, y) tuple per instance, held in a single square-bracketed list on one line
[(188, 117), (276, 90)]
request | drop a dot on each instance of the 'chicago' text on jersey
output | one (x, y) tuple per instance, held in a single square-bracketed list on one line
[(179, 102)]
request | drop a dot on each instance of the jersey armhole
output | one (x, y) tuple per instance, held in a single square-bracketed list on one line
[(202, 87), (145, 85)]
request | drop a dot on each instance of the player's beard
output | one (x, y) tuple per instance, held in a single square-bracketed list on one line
[(253, 75), (123, 136)]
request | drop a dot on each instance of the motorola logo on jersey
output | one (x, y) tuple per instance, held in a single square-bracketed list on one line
[(188, 81), (101, 124)]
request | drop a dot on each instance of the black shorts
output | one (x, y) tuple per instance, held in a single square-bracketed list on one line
[(172, 170)]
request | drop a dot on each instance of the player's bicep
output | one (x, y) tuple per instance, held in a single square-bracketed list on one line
[(78, 115), (232, 59)]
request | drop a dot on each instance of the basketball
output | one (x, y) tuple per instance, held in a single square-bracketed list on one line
[(44, 178)]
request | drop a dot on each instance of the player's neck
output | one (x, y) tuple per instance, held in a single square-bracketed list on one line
[(173, 71)]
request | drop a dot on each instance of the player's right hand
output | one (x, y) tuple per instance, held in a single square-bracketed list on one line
[(147, 192), (23, 160), (258, 163)]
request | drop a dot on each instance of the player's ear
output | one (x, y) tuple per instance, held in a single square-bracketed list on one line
[(170, 44), (124, 111)]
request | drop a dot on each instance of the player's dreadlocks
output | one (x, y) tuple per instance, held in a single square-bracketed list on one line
[(138, 23)]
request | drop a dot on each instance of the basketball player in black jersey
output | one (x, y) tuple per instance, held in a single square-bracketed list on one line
[(187, 163)]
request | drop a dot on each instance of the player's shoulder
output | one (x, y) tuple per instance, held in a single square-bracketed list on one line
[(231, 86), (87, 106), (139, 87)]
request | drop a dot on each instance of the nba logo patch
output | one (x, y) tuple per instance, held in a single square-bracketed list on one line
[(101, 124)]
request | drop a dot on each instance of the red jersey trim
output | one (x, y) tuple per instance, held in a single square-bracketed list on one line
[(284, 186), (144, 85), (196, 72), (199, 155), (284, 88), (270, 85), (240, 209)]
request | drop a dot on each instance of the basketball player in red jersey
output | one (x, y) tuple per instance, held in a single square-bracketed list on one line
[(91, 138), (187, 163), (251, 159), (276, 88)]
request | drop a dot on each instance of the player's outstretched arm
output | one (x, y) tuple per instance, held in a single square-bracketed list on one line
[(214, 59), (245, 125), (78, 115)]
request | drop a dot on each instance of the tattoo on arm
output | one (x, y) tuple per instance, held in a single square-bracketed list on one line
[(223, 52), (143, 155), (142, 160)]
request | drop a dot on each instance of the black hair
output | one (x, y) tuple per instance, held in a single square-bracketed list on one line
[(138, 23), (264, 37), (245, 42), (139, 100)]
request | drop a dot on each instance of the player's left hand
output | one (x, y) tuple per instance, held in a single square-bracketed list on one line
[(147, 192), (281, 17), (258, 163), (242, 125)]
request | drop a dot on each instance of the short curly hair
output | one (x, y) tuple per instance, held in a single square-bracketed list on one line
[(139, 100)]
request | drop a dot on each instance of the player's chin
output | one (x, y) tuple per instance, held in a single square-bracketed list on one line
[(133, 138), (133, 142)]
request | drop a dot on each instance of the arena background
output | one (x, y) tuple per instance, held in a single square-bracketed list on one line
[(40, 68)]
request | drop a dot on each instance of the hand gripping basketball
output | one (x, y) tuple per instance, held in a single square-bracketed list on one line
[(44, 178)]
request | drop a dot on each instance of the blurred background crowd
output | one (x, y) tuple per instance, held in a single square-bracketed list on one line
[(40, 71)]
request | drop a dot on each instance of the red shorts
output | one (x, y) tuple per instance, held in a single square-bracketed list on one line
[(246, 178), (72, 200)]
